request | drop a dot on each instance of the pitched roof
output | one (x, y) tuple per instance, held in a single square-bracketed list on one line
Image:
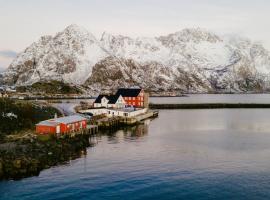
[(113, 99), (70, 119), (128, 92), (63, 120), (49, 122), (98, 99)]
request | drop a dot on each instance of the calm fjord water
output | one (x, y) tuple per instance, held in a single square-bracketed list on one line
[(183, 154)]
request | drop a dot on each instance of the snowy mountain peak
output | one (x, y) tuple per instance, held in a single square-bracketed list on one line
[(74, 28), (190, 60), (194, 35), (106, 36), (75, 32)]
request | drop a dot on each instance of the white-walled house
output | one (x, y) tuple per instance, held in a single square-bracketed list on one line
[(126, 112), (116, 102), (124, 97), (116, 112), (101, 101), (109, 101)]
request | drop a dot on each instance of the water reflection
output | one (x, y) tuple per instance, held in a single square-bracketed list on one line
[(128, 133), (183, 154), (214, 98)]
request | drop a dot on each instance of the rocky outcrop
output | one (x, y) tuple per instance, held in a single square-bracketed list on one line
[(112, 73), (28, 157)]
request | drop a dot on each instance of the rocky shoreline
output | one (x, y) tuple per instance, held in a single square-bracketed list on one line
[(27, 157)]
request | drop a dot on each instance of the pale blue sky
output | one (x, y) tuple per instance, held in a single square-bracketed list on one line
[(24, 21)]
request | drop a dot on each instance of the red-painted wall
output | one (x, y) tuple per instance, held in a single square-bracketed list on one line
[(64, 128), (45, 129), (135, 101)]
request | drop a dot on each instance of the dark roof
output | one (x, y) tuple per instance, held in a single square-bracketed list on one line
[(113, 99), (98, 99), (128, 92)]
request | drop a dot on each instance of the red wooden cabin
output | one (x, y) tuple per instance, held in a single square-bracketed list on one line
[(132, 96), (62, 125)]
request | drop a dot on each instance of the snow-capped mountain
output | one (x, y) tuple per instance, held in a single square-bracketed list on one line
[(191, 60), (68, 56)]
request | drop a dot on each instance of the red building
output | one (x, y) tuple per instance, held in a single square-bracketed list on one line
[(62, 125), (133, 96)]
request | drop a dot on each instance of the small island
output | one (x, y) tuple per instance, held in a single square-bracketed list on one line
[(35, 136)]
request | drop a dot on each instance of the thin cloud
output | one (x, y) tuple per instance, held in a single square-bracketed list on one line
[(2, 68), (8, 53), (6, 57)]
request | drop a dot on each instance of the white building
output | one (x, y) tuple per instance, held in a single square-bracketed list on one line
[(116, 112), (126, 112), (124, 97), (109, 101)]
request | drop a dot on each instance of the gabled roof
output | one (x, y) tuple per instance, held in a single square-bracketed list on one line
[(70, 119), (128, 92), (98, 99), (113, 99), (49, 122)]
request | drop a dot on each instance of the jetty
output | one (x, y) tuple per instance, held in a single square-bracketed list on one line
[(89, 130), (117, 121), (209, 106)]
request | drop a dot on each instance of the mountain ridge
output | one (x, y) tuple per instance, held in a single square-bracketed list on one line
[(188, 61)]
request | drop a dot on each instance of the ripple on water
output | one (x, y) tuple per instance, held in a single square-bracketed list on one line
[(189, 154)]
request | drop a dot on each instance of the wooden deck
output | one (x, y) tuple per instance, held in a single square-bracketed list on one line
[(90, 130), (110, 122)]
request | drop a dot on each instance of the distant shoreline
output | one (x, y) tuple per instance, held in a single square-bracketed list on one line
[(151, 96), (209, 106)]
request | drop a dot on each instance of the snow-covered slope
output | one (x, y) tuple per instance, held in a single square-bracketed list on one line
[(68, 56), (191, 60)]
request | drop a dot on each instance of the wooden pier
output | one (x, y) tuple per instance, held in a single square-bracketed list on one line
[(111, 122), (90, 130), (106, 122)]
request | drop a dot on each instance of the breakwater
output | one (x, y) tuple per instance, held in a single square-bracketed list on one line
[(209, 106)]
